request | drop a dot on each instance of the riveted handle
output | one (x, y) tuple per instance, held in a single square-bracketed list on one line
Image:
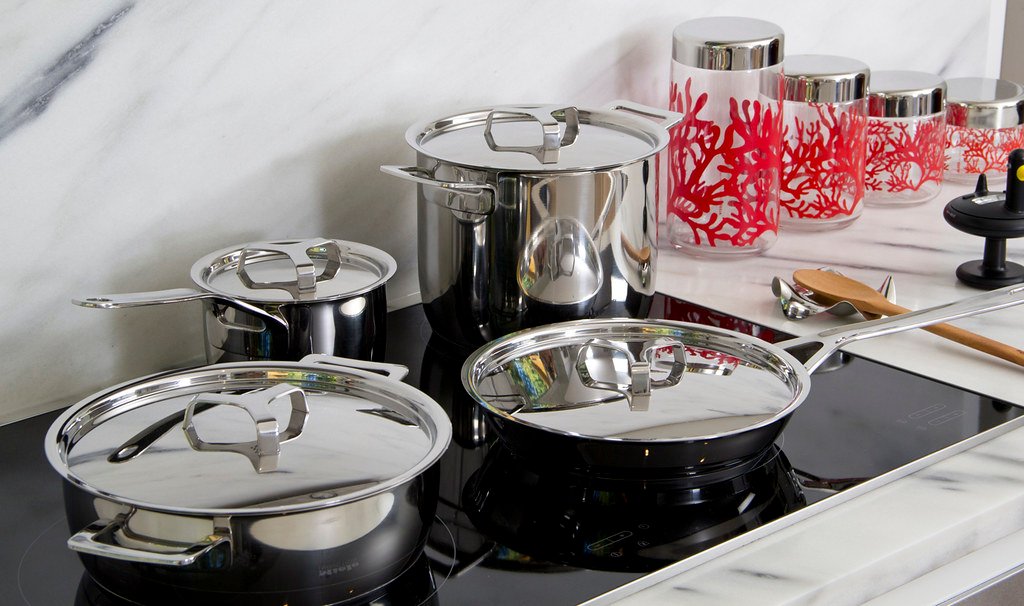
[(301, 254), (98, 539), (265, 451), (391, 371), (665, 118), (467, 197), (553, 140)]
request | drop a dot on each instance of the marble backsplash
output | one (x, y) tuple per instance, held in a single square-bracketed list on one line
[(135, 137)]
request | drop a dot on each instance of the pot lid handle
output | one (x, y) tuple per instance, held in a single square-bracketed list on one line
[(265, 451), (306, 277), (638, 390), (547, 152)]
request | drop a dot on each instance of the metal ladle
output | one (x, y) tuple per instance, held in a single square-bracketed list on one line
[(798, 302)]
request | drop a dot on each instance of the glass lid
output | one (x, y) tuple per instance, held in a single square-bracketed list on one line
[(540, 138), (283, 271), (644, 380), (249, 438)]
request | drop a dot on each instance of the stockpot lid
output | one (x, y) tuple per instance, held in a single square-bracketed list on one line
[(284, 271), (543, 138), (905, 94), (824, 79), (587, 379), (203, 441), (984, 103)]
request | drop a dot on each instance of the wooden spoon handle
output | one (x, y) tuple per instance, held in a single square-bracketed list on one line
[(964, 337)]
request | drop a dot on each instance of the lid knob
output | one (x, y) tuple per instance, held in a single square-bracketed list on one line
[(306, 278), (638, 391)]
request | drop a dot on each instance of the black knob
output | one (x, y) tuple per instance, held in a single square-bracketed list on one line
[(995, 217)]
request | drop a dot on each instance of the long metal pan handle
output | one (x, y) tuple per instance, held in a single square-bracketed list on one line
[(813, 350), (96, 540), (462, 192), (665, 118), (391, 371), (173, 295)]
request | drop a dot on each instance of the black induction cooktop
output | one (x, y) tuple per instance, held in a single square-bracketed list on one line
[(514, 532)]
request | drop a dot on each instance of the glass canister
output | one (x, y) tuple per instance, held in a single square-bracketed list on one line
[(724, 156), (984, 118), (823, 141), (906, 138)]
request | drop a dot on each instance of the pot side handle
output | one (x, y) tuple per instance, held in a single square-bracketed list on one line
[(460, 192), (665, 118), (97, 540), (391, 371)]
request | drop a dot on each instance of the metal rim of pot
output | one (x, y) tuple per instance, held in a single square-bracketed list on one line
[(657, 362)]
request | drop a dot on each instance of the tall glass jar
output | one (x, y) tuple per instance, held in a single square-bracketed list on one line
[(724, 157), (906, 138), (823, 141), (984, 119)]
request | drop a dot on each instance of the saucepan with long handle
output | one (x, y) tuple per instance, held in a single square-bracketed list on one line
[(659, 396)]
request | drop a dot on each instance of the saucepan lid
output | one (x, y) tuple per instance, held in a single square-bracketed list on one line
[(282, 271), (635, 380), (251, 437)]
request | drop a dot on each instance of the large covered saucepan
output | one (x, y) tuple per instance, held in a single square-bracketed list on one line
[(283, 300), (253, 482), (530, 214), (657, 396)]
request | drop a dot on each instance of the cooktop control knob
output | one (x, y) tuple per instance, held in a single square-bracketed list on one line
[(995, 217)]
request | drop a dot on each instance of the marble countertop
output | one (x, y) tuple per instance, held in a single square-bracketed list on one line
[(921, 534)]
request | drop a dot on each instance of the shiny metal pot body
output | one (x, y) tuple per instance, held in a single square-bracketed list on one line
[(323, 556), (554, 247), (516, 236)]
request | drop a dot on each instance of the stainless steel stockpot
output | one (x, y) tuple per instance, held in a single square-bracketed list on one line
[(530, 214), (661, 397), (283, 300), (253, 482)]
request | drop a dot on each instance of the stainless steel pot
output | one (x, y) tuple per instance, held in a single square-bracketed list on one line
[(167, 491), (283, 300), (658, 396), (531, 214)]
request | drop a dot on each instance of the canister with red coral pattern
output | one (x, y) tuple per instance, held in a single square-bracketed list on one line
[(823, 141), (984, 123), (906, 138), (724, 156)]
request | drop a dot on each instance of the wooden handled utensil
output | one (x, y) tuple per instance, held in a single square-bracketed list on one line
[(833, 287)]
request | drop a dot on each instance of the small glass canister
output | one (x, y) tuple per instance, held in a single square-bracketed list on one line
[(823, 141), (906, 138), (724, 156), (984, 118)]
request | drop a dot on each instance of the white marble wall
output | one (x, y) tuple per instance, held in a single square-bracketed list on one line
[(137, 136)]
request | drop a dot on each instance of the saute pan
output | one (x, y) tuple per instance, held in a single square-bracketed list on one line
[(658, 396)]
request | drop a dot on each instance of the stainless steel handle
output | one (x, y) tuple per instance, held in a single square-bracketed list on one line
[(391, 371), (173, 295), (814, 349), (462, 193), (638, 391), (553, 140), (265, 451), (97, 539), (298, 252), (665, 118)]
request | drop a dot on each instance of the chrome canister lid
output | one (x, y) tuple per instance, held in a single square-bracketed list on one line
[(543, 138), (984, 103), (586, 379), (824, 79), (904, 94), (183, 441), (728, 43), (283, 271)]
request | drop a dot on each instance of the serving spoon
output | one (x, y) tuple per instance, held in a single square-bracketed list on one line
[(833, 287)]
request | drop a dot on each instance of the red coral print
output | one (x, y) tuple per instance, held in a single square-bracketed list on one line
[(823, 163), (982, 150), (904, 156), (723, 183)]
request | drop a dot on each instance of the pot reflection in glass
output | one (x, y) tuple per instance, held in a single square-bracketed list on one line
[(624, 524)]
